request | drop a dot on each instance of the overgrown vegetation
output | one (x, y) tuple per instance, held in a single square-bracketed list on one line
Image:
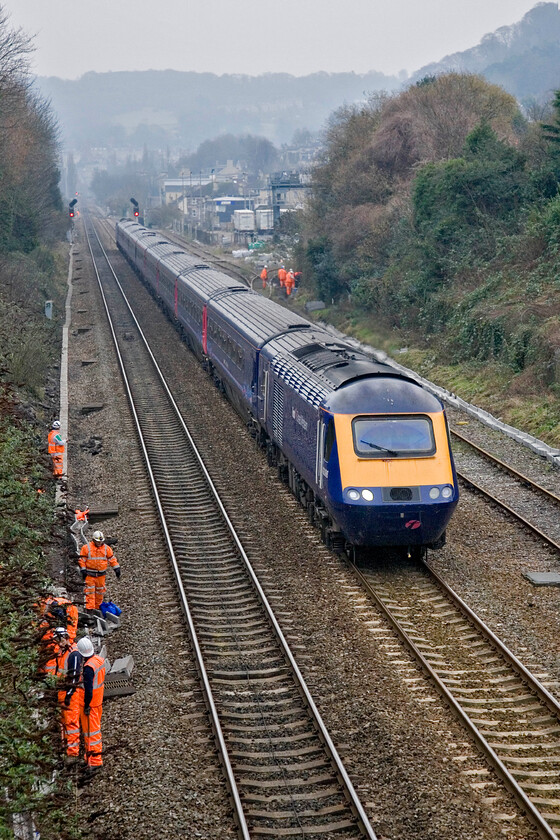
[(435, 216), (29, 738), (31, 272)]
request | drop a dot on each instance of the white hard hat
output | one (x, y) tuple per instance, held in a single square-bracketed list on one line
[(61, 631), (98, 536), (56, 424), (85, 647)]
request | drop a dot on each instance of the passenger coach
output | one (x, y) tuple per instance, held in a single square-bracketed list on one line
[(364, 448)]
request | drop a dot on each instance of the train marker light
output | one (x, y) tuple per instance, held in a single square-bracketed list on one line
[(367, 495)]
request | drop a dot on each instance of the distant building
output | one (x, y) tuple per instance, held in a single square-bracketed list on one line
[(226, 205), (288, 191)]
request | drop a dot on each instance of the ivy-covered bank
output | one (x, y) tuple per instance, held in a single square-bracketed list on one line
[(434, 220), (33, 270), (29, 737)]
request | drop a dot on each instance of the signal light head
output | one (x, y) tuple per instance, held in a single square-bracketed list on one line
[(71, 214), (136, 213)]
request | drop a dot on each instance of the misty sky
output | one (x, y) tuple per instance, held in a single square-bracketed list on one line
[(253, 36)]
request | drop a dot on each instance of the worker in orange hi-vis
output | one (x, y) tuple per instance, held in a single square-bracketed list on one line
[(282, 276), (264, 276), (68, 672), (93, 561), (90, 696), (57, 609), (56, 448), (290, 281)]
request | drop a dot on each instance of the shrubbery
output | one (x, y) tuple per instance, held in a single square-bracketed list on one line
[(437, 209)]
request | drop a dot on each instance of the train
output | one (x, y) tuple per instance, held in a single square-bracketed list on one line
[(363, 447)]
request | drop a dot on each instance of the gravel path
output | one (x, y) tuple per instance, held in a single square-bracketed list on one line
[(411, 763)]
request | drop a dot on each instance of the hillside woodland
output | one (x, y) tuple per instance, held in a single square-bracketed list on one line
[(523, 58), (32, 270), (436, 219)]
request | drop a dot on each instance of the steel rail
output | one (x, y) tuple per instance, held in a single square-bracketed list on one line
[(234, 792), (523, 479), (511, 511), (354, 802), (543, 827)]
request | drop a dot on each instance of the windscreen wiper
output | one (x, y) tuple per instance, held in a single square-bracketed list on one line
[(380, 448)]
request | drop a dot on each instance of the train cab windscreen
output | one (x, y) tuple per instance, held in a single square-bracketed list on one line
[(397, 436)]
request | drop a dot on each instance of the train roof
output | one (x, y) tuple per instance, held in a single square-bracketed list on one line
[(208, 282), (161, 248), (180, 262), (257, 318), (319, 367), (329, 372), (383, 394)]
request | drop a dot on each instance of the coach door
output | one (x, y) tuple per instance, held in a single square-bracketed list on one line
[(205, 329), (263, 392)]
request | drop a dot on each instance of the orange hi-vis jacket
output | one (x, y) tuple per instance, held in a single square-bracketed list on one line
[(95, 559), (97, 664), (70, 610), (282, 276), (56, 443), (264, 277), (49, 669), (62, 669), (289, 282)]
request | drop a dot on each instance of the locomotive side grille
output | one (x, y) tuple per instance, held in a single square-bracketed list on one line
[(277, 411)]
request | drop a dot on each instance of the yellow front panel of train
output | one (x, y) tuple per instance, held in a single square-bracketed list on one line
[(392, 472)]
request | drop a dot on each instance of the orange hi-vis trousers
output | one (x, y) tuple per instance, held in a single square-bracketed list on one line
[(94, 590), (91, 727), (57, 464), (70, 723)]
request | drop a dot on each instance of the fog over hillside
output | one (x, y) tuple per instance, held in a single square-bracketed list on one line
[(181, 109), (523, 58)]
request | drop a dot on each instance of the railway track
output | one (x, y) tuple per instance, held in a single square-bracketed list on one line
[(513, 717), (530, 503), (497, 721), (283, 771)]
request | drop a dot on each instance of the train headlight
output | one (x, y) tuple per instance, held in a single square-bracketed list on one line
[(367, 495), (354, 495), (434, 493), (447, 492)]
